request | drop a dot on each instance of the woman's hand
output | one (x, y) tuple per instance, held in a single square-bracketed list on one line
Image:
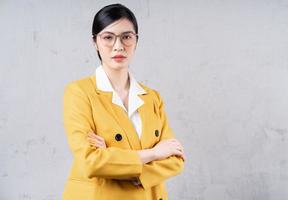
[(96, 141), (162, 150), (167, 148)]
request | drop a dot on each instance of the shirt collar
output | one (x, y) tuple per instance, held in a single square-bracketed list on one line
[(104, 84), (102, 80)]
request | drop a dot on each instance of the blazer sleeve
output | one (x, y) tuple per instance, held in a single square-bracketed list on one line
[(155, 172), (112, 162)]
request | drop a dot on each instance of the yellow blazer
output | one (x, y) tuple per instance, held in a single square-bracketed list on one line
[(99, 174)]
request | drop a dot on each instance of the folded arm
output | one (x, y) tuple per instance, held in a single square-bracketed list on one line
[(162, 161)]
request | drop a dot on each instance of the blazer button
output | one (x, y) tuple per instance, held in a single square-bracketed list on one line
[(156, 133), (118, 137)]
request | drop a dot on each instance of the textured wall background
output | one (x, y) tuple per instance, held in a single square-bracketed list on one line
[(221, 66)]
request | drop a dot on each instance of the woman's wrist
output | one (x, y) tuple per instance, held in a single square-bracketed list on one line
[(147, 155)]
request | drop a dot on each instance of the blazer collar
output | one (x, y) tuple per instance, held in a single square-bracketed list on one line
[(121, 117), (103, 83)]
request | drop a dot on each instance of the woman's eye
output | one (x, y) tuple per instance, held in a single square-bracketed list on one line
[(126, 37), (108, 37)]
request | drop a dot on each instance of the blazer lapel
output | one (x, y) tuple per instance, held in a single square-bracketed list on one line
[(145, 114), (120, 116), (127, 126)]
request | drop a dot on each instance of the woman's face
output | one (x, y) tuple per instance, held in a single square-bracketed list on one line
[(117, 52)]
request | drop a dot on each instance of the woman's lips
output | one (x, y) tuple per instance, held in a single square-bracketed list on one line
[(118, 58)]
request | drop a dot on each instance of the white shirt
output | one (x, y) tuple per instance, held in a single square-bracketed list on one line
[(134, 101)]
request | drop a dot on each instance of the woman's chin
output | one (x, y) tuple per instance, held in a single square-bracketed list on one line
[(119, 66)]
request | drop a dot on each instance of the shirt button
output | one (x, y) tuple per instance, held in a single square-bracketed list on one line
[(156, 133), (118, 137)]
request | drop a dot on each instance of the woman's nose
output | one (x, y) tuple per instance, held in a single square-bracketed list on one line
[(118, 44)]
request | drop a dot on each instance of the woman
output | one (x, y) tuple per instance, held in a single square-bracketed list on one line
[(117, 128)]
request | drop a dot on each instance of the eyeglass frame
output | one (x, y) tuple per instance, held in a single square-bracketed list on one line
[(116, 36)]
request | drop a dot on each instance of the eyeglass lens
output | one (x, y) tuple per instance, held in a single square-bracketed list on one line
[(109, 39)]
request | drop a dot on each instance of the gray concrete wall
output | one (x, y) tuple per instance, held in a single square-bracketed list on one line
[(221, 67)]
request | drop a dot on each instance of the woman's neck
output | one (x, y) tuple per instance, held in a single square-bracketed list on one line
[(119, 78)]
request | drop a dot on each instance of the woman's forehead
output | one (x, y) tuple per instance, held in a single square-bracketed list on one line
[(119, 26)]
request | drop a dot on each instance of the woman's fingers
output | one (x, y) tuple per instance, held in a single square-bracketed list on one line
[(181, 154), (178, 148), (96, 140), (94, 136), (169, 147), (96, 143)]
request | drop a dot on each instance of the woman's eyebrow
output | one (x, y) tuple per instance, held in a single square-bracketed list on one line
[(120, 33), (128, 32)]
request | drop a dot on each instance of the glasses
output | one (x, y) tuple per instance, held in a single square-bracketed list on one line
[(126, 38)]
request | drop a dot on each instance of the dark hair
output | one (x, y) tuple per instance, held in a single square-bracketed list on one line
[(109, 14)]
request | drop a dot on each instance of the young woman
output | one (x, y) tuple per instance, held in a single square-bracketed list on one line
[(117, 128)]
